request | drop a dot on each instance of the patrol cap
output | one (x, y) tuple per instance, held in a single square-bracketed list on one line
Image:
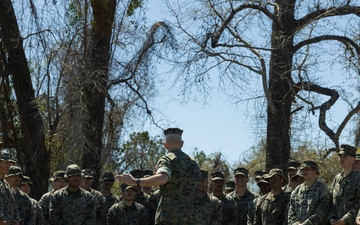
[(58, 174), (6, 156), (107, 175), (26, 180), (347, 150), (173, 131), (263, 180), (357, 156), (274, 172), (230, 185), (14, 171), (241, 171), (87, 173), (310, 164), (125, 187), (217, 176), (293, 165), (72, 170), (298, 174), (137, 173), (258, 174), (204, 174)]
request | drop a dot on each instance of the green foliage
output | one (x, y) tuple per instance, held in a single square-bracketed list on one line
[(133, 5), (140, 152), (213, 162)]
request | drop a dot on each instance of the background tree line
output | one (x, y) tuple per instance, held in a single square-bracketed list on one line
[(74, 74)]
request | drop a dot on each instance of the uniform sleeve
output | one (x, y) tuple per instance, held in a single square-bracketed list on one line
[(217, 219), (54, 211), (320, 212), (112, 215), (292, 220), (45, 203), (331, 214), (164, 166), (350, 216), (257, 212)]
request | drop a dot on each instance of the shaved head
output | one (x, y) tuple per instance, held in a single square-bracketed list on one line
[(173, 141)]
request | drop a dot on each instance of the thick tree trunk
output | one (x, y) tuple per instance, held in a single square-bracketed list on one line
[(33, 153), (279, 121), (95, 89)]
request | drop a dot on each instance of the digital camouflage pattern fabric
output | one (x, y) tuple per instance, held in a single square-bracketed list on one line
[(345, 197), (121, 214), (272, 209), (72, 208), (210, 210), (45, 205), (8, 206), (309, 205), (110, 201), (229, 210), (100, 208), (242, 203), (26, 212), (39, 217), (184, 175)]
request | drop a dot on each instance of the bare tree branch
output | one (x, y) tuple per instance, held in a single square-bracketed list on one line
[(324, 13)]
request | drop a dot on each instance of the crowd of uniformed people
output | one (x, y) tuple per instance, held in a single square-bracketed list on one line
[(178, 192)]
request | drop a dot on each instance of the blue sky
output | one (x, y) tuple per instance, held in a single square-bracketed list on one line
[(219, 125)]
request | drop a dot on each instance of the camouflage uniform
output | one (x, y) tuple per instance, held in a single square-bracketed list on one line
[(345, 197), (272, 210), (8, 206), (45, 205), (24, 203), (210, 210), (229, 210), (242, 203), (121, 214), (309, 205), (287, 189), (45, 199), (39, 217), (111, 200), (68, 208), (72, 207), (100, 208), (181, 189)]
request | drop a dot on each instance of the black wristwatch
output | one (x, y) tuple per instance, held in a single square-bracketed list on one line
[(138, 182)]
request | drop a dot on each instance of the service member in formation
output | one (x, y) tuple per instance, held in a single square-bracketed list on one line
[(58, 181), (127, 211), (357, 159), (309, 202), (8, 206), (147, 189), (228, 203), (24, 203), (72, 205), (345, 190), (87, 178), (229, 186), (25, 186), (178, 176), (264, 188), (210, 208), (106, 182), (271, 209), (292, 169), (243, 197)]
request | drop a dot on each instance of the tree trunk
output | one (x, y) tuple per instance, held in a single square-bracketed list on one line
[(33, 154), (95, 88), (278, 125)]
